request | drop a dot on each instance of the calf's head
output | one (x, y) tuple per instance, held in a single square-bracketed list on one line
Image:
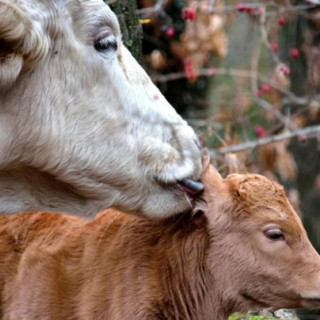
[(260, 254), (74, 104)]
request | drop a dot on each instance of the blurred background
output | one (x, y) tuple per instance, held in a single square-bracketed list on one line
[(246, 76)]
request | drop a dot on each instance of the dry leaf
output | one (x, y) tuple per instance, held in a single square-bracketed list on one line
[(276, 157)]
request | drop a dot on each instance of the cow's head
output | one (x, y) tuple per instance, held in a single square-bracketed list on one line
[(76, 106), (261, 255)]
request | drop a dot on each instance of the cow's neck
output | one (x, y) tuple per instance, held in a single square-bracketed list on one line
[(27, 189)]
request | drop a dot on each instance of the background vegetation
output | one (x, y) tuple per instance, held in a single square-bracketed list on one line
[(246, 75)]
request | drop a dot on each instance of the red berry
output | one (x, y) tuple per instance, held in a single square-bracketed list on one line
[(170, 32), (259, 93), (302, 138), (259, 131), (188, 14), (188, 69), (212, 70), (273, 46), (190, 74), (187, 62), (281, 21), (249, 9), (240, 7), (265, 87), (294, 53), (259, 11)]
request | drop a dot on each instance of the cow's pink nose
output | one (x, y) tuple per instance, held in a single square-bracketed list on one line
[(192, 187)]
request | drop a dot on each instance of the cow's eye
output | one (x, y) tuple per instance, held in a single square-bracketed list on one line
[(274, 234), (106, 43)]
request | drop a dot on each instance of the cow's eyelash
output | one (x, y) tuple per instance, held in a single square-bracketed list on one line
[(106, 43)]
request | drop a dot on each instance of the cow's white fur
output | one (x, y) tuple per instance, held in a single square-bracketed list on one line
[(83, 130)]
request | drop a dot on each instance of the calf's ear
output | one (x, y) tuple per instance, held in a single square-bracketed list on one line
[(205, 159), (22, 42), (213, 182), (209, 175)]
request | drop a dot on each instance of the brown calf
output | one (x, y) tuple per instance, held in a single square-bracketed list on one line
[(243, 248)]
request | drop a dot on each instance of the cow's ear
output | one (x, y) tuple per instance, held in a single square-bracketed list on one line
[(22, 42)]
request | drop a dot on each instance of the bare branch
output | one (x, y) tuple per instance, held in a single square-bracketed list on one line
[(297, 8), (302, 101), (308, 132), (209, 72)]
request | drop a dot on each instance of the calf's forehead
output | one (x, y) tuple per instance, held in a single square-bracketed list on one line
[(264, 201), (252, 190)]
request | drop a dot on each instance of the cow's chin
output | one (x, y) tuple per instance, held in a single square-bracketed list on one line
[(171, 200)]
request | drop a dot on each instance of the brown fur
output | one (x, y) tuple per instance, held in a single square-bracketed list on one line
[(198, 266)]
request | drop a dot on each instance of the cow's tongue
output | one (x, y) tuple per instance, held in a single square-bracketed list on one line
[(191, 187)]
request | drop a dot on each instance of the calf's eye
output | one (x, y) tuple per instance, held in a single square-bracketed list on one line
[(106, 43), (274, 234)]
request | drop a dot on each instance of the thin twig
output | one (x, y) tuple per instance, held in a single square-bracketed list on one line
[(152, 10), (264, 37), (308, 131), (254, 64), (269, 107), (211, 6)]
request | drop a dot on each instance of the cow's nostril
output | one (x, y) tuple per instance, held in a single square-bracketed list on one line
[(192, 187), (198, 143)]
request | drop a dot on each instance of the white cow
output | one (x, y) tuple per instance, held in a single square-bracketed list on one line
[(82, 125)]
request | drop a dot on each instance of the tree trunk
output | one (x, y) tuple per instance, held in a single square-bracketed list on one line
[(130, 25)]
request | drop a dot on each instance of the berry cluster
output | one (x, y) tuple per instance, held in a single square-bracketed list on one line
[(263, 89), (249, 9), (284, 69)]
